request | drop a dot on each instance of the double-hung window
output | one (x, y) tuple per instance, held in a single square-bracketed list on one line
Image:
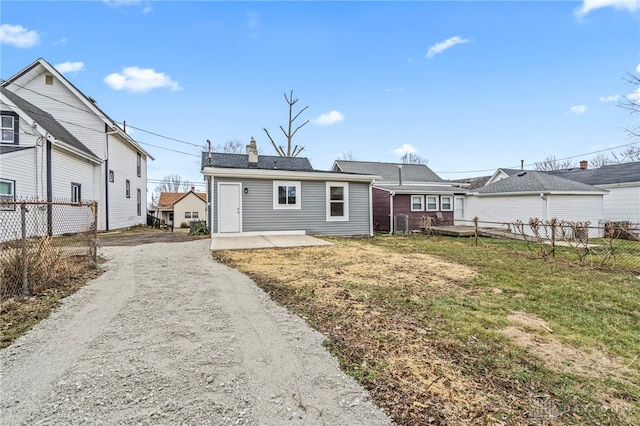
[(432, 202), (445, 203), (76, 194), (286, 195), (337, 201), (417, 203), (127, 188), (9, 127), (139, 201), (139, 164), (7, 194)]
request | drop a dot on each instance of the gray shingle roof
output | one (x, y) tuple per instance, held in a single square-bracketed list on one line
[(47, 122), (422, 189), (609, 174), (534, 181), (241, 161), (389, 171), (474, 182)]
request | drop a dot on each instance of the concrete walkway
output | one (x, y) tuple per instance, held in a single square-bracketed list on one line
[(265, 241)]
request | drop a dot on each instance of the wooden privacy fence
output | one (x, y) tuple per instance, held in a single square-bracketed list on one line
[(44, 244)]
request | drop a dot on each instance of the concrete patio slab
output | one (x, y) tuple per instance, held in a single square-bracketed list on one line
[(265, 241)]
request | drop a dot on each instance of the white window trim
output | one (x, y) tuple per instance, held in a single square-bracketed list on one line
[(9, 207), (74, 198), (450, 203), (12, 128), (344, 218), (427, 203), (297, 185), (421, 209)]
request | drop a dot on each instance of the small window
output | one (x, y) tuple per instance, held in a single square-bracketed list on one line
[(112, 176), (9, 128), (139, 201), (417, 203), (7, 194), (76, 195), (187, 215), (337, 201), (445, 203), (432, 202), (48, 79), (194, 215), (286, 195), (139, 164), (127, 188)]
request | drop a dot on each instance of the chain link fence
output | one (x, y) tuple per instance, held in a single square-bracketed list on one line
[(44, 244), (607, 244)]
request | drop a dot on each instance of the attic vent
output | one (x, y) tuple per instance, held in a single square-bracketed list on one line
[(48, 79), (93, 101), (522, 174)]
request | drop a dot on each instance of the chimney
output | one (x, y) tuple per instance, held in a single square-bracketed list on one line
[(252, 152), (521, 164), (193, 188), (400, 174), (584, 164)]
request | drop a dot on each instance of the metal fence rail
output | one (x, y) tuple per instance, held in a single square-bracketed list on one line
[(44, 244), (607, 244)]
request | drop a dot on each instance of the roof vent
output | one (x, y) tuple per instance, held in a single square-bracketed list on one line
[(522, 174)]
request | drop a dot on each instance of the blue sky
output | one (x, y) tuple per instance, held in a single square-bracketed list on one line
[(470, 86)]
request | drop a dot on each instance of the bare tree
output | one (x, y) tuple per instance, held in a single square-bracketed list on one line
[(413, 158), (348, 156), (552, 163), (230, 147), (289, 133), (170, 183), (599, 161)]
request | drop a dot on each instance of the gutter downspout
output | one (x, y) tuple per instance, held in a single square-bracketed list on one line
[(49, 188), (391, 230), (371, 208)]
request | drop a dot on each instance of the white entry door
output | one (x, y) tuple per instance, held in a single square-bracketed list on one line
[(229, 206), (458, 212)]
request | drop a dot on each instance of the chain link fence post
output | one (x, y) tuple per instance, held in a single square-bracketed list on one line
[(25, 260)]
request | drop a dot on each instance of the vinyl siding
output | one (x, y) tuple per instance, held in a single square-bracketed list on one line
[(123, 211), (622, 204), (381, 210), (190, 203), (402, 205), (258, 214)]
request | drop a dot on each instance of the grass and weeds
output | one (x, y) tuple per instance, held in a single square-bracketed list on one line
[(443, 332)]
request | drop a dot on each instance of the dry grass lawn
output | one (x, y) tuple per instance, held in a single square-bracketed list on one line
[(414, 329)]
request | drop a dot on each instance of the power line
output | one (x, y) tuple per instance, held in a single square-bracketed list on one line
[(533, 164)]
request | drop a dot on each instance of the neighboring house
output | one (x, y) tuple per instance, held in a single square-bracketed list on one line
[(622, 202), (251, 194), (512, 195), (176, 208), (119, 178), (40, 160), (408, 189)]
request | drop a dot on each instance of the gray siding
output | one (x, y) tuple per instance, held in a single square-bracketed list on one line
[(258, 214)]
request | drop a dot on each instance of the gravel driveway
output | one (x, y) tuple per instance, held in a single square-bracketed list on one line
[(168, 336)]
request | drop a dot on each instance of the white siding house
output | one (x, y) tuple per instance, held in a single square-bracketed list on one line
[(41, 161), (532, 194), (121, 161)]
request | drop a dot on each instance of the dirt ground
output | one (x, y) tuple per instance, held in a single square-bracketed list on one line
[(146, 236), (166, 335)]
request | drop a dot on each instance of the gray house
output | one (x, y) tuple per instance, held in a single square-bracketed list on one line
[(251, 194)]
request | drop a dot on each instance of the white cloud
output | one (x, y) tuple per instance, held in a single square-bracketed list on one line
[(396, 90), (612, 98), (405, 149), (66, 67), (125, 3), (591, 5), (638, 68), (578, 109), (635, 96), (444, 45), (140, 80), (18, 36), (331, 117)]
